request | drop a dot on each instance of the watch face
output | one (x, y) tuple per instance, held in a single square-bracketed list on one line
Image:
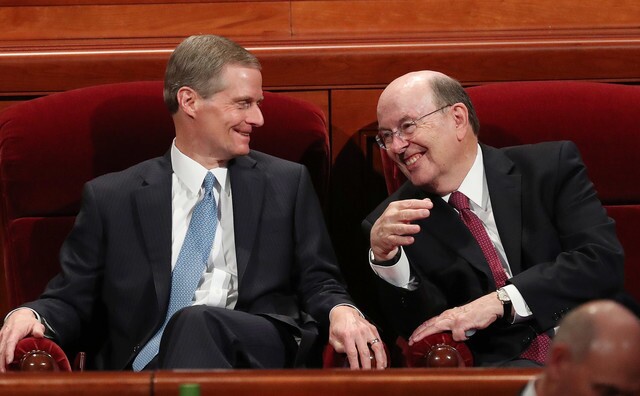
[(503, 296)]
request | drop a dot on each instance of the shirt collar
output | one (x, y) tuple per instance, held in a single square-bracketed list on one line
[(191, 174), (473, 185)]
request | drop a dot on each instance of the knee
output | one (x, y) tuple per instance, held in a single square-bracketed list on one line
[(198, 315)]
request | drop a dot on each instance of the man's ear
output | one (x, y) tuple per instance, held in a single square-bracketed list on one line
[(461, 119), (187, 101), (559, 360)]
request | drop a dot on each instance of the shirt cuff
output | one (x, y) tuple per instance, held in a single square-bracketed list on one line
[(397, 274), (348, 305), (520, 307), (37, 315), (49, 332)]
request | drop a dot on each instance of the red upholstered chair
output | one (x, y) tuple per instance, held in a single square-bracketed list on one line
[(49, 147), (602, 119)]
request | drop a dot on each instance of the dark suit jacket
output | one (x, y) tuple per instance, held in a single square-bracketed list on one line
[(561, 246), (116, 263)]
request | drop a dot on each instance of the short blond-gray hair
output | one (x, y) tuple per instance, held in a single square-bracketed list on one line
[(198, 63)]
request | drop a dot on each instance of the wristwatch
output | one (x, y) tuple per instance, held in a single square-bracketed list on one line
[(386, 263), (506, 303)]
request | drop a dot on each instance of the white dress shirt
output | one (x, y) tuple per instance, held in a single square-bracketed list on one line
[(530, 388), (474, 186), (219, 283)]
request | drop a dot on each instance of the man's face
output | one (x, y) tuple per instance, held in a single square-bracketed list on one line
[(227, 118), (431, 152)]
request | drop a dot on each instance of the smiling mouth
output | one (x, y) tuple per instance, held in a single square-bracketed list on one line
[(412, 159)]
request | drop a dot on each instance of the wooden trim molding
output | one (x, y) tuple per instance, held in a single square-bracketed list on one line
[(355, 65)]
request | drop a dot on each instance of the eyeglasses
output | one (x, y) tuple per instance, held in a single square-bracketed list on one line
[(405, 130)]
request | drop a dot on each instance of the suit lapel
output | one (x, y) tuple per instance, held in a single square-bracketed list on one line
[(153, 203), (247, 186), (505, 191), (444, 224)]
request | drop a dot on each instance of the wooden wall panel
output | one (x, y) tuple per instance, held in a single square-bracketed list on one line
[(375, 65), (410, 18), (253, 19), (351, 112), (113, 2), (289, 67), (356, 189)]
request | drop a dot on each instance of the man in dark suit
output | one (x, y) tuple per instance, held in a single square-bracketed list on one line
[(494, 245), (173, 272)]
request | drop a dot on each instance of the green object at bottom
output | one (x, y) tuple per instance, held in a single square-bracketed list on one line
[(190, 390)]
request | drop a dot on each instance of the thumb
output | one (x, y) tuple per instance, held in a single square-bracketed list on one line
[(38, 330)]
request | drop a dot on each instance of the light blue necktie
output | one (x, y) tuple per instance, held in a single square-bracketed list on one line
[(189, 266)]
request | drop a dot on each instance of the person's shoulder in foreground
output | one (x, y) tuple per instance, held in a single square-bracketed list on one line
[(595, 352)]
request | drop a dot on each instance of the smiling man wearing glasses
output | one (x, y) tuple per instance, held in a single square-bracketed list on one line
[(493, 245)]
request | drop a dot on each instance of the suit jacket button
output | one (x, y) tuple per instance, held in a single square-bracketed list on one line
[(136, 349)]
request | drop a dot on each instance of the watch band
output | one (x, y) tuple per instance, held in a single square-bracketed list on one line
[(507, 306), (386, 263)]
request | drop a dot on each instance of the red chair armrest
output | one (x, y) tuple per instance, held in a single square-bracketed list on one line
[(333, 359), (39, 354), (436, 350)]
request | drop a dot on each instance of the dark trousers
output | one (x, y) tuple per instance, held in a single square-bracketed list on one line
[(202, 337)]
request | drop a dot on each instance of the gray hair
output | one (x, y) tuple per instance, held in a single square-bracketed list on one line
[(198, 63), (447, 90)]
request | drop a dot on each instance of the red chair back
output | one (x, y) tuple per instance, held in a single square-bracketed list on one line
[(51, 146), (600, 118)]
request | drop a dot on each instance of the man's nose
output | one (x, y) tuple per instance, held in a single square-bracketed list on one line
[(255, 117), (398, 144)]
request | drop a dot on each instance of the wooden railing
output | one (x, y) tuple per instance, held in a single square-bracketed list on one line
[(432, 382)]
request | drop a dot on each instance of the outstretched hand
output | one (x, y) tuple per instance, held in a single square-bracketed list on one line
[(462, 321)]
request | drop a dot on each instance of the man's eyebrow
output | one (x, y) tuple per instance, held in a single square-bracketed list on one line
[(402, 120)]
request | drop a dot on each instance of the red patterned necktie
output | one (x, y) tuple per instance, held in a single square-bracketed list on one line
[(539, 347), (460, 201)]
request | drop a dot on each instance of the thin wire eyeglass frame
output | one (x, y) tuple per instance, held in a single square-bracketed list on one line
[(401, 131)]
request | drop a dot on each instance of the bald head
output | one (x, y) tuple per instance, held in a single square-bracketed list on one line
[(597, 327), (419, 89), (596, 351)]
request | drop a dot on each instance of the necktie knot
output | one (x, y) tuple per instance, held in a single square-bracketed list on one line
[(209, 180), (459, 201)]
